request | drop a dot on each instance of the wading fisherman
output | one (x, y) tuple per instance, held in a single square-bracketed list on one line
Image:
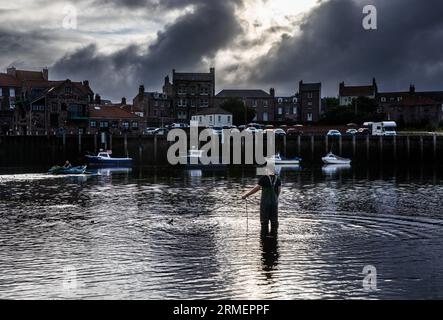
[(270, 185)]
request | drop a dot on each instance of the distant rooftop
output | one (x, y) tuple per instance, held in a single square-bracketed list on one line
[(246, 93)]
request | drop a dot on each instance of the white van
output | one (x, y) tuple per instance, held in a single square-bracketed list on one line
[(385, 128)]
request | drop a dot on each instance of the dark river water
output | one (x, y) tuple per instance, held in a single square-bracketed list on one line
[(167, 234)]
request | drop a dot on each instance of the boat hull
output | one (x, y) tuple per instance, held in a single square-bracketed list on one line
[(98, 162), (335, 161)]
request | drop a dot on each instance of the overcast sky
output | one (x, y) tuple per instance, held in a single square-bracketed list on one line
[(121, 44)]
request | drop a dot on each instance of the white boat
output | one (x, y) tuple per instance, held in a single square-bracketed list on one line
[(282, 161), (194, 161), (333, 159)]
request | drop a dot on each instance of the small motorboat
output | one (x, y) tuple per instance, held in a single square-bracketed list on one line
[(67, 171), (194, 161), (278, 160), (333, 159), (104, 160)]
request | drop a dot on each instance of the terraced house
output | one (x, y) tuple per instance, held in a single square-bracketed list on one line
[(190, 92), (262, 102), (10, 89)]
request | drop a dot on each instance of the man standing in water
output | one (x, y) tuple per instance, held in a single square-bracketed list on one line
[(270, 185)]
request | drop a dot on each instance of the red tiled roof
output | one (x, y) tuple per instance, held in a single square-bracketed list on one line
[(7, 80), (29, 75), (357, 91), (110, 112), (417, 101)]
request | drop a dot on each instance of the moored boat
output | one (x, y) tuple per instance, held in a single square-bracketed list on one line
[(67, 171), (278, 160), (194, 161), (104, 160), (331, 158)]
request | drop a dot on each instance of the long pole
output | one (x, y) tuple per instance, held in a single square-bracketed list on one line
[(247, 215)]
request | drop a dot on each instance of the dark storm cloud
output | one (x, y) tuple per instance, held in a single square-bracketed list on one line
[(212, 25), (334, 47)]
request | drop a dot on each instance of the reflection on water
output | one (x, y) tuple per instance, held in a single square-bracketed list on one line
[(177, 234)]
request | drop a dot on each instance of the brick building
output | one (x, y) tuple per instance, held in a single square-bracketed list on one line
[(262, 102), (114, 119), (53, 107), (190, 92), (309, 95), (287, 109), (154, 107), (10, 89), (347, 94), (412, 107)]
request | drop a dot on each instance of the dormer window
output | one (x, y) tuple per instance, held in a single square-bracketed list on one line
[(68, 90)]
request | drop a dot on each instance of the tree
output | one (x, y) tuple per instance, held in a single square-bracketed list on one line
[(361, 110), (241, 114)]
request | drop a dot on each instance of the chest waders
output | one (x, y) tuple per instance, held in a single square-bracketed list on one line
[(269, 207)]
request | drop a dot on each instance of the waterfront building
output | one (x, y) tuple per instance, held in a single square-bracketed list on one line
[(113, 119), (310, 102), (262, 102), (154, 107), (287, 109), (412, 107), (10, 89), (190, 92), (347, 94), (213, 117)]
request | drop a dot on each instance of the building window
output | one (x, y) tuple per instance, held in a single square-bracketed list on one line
[(1, 92), (219, 119), (383, 99), (280, 100), (204, 91), (125, 125), (310, 104), (309, 116), (294, 110), (200, 119), (229, 119), (204, 102), (93, 124), (280, 110), (265, 116), (310, 95), (104, 124), (294, 100), (181, 90), (114, 124), (134, 124), (12, 92), (68, 90), (210, 118)]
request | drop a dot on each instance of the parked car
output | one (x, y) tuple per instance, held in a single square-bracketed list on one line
[(252, 130), (280, 132), (218, 131), (363, 132), (179, 126), (351, 131), (334, 133), (294, 132), (150, 131), (161, 132)]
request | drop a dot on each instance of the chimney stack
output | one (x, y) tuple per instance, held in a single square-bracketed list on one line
[(141, 90), (123, 101), (412, 89), (98, 99), (45, 73), (86, 83), (12, 71), (272, 92)]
